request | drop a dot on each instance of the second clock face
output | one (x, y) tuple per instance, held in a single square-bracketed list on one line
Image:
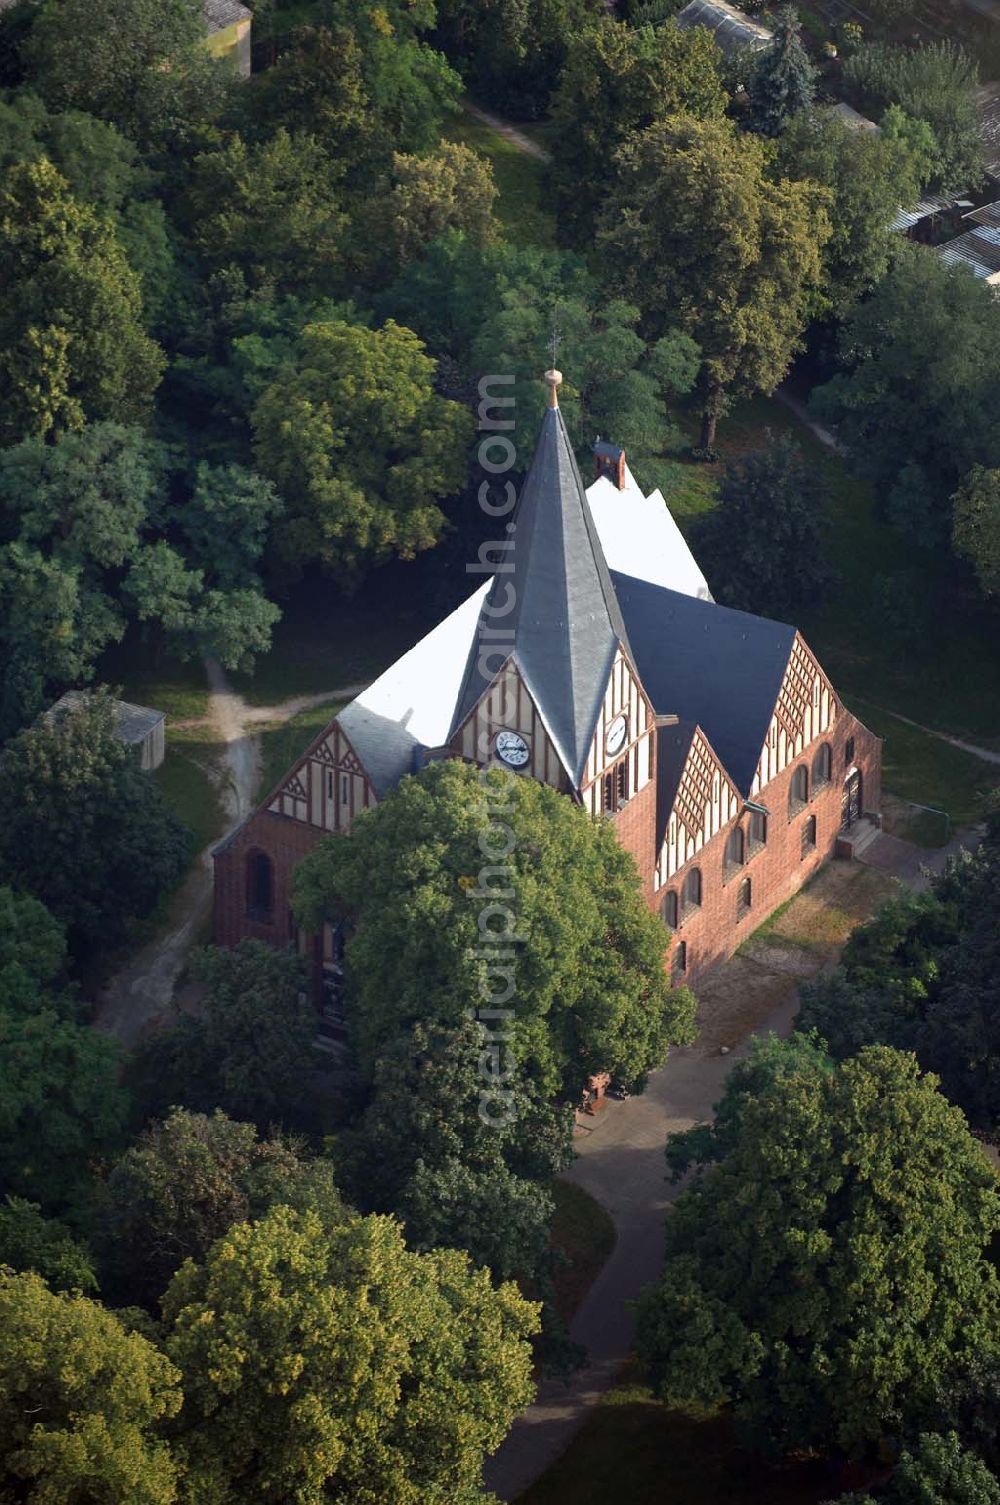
[(512, 749), (617, 732)]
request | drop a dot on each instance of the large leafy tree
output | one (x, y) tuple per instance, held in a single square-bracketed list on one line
[(458, 1176), (864, 171), (914, 401), (936, 84), (513, 54), (32, 950), (71, 333), (616, 82), (937, 1470), (697, 234), (103, 56), (765, 545), (332, 1363), (187, 1180), (782, 81), (451, 188), (86, 830), (61, 1108), (269, 209), (250, 1048), (82, 1401), (360, 446), (591, 994), (315, 88), (828, 1266)]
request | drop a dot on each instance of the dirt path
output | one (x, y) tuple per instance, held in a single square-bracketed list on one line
[(508, 132), (142, 992), (801, 412), (988, 755)]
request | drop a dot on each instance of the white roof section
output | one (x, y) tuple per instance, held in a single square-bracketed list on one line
[(640, 538), (410, 707)]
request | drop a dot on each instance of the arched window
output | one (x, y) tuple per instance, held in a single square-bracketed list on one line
[(744, 898), (758, 831), (822, 767), (808, 836), (679, 959), (691, 893), (798, 793), (735, 853), (260, 886), (670, 910)]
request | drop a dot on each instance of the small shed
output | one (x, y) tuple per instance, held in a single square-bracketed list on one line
[(138, 726), (228, 24), (732, 29)]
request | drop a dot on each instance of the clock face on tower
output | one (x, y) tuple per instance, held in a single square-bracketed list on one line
[(617, 732), (511, 749)]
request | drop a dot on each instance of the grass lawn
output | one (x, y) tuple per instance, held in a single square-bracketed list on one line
[(949, 680), (523, 204), (632, 1444), (191, 792), (281, 743), (585, 1234)]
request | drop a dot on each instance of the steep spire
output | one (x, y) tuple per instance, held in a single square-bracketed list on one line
[(552, 607)]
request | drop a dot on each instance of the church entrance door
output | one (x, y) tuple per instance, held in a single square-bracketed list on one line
[(850, 803)]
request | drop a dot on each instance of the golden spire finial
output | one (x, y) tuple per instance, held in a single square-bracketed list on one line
[(553, 377)]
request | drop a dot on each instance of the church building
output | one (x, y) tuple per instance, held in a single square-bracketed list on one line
[(595, 660)]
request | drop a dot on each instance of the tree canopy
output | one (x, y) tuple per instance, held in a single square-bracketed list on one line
[(782, 81), (335, 1364), (360, 446), (82, 1401), (590, 986), (692, 208), (828, 1266)]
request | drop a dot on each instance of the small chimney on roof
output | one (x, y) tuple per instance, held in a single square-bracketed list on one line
[(609, 460)]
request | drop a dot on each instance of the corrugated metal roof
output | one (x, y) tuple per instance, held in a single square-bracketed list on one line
[(731, 28), (986, 214), (934, 203), (978, 249), (133, 723), (222, 13)]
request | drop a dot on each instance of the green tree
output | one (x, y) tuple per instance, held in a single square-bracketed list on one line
[(975, 526), (864, 171), (451, 188), (193, 618), (765, 545), (102, 56), (616, 82), (913, 400), (934, 83), (590, 986), (360, 447), (270, 209), (86, 830), (513, 55), (187, 1180), (249, 1050), (227, 520), (782, 82), (938, 1471), (315, 88), (32, 950), (334, 1364), (82, 1400), (70, 313), (61, 1108), (830, 1268), (916, 141), (693, 208), (29, 1241)]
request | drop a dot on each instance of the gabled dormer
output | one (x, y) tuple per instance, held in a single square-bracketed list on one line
[(551, 630)]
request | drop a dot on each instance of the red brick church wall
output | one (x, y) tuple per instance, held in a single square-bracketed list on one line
[(286, 842), (713, 932)]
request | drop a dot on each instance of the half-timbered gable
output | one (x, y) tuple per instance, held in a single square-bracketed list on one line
[(508, 705), (328, 787), (622, 757), (697, 797), (806, 708)]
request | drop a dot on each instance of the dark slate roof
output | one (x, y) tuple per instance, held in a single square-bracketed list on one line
[(565, 623), (673, 743), (708, 664), (608, 451), (133, 723)]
